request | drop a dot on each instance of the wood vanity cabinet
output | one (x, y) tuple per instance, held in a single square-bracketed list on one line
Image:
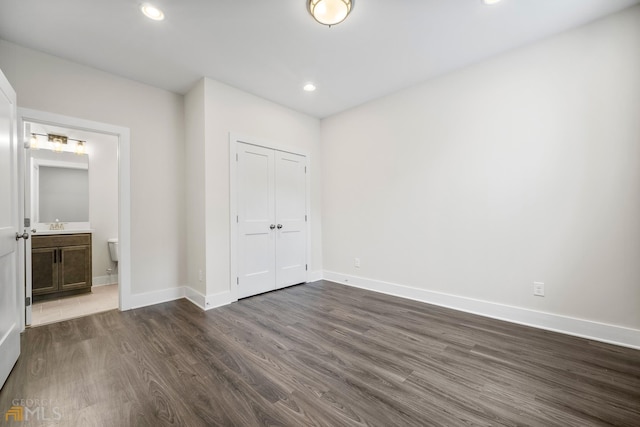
[(60, 265)]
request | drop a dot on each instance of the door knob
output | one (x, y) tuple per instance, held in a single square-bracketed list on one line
[(279, 226), (24, 236), (272, 226)]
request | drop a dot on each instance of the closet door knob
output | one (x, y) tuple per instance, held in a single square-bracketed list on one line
[(272, 226), (279, 226)]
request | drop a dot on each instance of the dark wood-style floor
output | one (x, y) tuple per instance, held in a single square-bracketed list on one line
[(320, 354)]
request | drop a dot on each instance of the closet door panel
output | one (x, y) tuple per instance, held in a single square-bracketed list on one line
[(291, 209), (256, 215)]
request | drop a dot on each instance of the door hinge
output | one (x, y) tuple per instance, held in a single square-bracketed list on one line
[(306, 267), (305, 218), (305, 169), (236, 157), (27, 222), (237, 280), (237, 218), (27, 301)]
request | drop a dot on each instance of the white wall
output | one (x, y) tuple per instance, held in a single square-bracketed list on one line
[(230, 110), (195, 187), (523, 168), (103, 203), (156, 120)]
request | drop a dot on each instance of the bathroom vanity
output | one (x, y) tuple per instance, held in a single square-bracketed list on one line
[(61, 231), (60, 265)]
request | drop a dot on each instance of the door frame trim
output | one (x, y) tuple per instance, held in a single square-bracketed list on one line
[(124, 188), (234, 139)]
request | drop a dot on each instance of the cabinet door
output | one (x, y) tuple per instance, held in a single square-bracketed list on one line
[(75, 267), (44, 270)]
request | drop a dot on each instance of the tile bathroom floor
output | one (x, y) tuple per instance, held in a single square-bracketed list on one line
[(102, 298)]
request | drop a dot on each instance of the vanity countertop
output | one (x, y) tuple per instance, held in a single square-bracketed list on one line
[(52, 232)]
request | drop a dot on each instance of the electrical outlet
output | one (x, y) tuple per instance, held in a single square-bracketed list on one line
[(538, 289), (356, 262), (200, 275)]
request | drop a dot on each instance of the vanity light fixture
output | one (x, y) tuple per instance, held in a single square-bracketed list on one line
[(330, 12), (152, 12), (80, 147), (58, 141), (33, 142)]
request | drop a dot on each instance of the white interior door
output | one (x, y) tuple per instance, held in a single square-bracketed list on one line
[(256, 220), (9, 225), (291, 217), (272, 219)]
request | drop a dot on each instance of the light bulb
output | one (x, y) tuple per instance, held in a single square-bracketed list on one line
[(152, 12), (33, 143)]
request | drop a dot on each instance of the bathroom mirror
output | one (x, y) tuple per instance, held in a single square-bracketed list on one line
[(59, 189)]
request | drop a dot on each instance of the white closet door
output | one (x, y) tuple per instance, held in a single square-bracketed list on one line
[(291, 232), (256, 216)]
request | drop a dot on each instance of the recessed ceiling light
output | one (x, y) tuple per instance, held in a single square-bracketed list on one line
[(152, 12), (490, 2), (309, 87)]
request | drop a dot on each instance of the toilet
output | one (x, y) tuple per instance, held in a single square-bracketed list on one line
[(114, 251)]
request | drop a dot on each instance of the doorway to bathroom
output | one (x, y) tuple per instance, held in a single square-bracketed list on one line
[(73, 176)]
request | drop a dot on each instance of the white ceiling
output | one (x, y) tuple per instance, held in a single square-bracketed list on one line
[(271, 48)]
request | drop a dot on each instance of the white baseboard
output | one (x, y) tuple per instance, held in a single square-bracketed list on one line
[(210, 301), (314, 276), (219, 299), (157, 297), (195, 297), (611, 334), (190, 294), (110, 279)]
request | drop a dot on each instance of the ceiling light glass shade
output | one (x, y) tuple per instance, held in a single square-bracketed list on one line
[(33, 143), (309, 87), (330, 12), (57, 146)]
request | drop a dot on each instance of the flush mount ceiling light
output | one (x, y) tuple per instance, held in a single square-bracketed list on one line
[(330, 12), (309, 87), (490, 2), (152, 12)]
